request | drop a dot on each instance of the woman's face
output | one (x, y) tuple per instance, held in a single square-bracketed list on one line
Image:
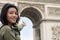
[(12, 15)]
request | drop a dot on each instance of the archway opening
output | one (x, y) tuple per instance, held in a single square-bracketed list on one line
[(35, 16), (27, 31)]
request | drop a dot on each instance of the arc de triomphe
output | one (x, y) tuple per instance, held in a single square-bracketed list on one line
[(45, 15)]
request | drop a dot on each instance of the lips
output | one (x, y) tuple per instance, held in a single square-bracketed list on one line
[(14, 19)]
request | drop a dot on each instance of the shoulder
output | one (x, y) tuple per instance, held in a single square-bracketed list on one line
[(4, 29)]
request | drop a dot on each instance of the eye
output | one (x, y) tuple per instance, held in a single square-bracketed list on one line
[(11, 12)]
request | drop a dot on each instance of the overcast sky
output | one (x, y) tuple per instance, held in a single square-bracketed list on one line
[(27, 31)]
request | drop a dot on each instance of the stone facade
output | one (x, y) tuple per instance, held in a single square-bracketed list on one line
[(44, 1), (45, 15)]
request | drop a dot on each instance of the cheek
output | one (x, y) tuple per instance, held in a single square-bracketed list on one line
[(8, 17), (17, 17)]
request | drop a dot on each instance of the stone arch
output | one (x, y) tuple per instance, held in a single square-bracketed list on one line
[(35, 16), (34, 8), (32, 13)]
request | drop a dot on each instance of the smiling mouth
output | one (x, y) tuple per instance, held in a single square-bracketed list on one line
[(14, 19)]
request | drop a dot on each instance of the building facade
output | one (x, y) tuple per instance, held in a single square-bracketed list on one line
[(45, 15)]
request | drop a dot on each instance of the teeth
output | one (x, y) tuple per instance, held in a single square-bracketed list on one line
[(14, 19)]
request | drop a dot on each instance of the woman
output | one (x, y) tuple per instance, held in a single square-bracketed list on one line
[(9, 18)]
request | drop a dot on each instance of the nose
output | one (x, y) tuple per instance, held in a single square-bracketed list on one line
[(15, 15)]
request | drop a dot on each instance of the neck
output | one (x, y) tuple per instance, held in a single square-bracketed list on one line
[(10, 24)]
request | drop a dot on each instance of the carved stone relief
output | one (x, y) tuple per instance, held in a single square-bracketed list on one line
[(22, 6), (53, 11), (56, 33), (41, 7)]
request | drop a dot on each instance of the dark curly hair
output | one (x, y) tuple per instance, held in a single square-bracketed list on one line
[(4, 12)]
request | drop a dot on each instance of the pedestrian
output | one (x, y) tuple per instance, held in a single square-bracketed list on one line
[(10, 30)]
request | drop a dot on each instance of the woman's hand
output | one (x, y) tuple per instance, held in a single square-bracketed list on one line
[(23, 24)]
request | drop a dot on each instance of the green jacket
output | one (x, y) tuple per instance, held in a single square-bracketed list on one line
[(8, 33)]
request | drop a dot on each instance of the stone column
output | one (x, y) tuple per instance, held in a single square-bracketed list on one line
[(36, 32), (50, 25)]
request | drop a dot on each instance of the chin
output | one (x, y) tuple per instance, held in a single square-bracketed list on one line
[(13, 22)]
